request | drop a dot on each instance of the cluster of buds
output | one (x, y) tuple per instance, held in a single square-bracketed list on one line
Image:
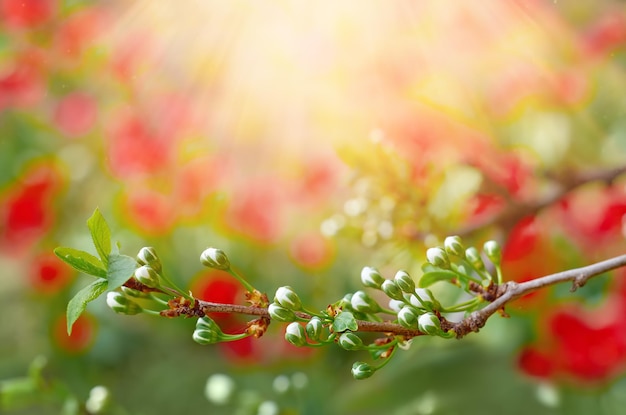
[(459, 265), (416, 308), (149, 275), (413, 306)]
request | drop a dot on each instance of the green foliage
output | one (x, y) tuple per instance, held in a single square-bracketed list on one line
[(100, 235), (344, 321), (82, 261), (78, 303)]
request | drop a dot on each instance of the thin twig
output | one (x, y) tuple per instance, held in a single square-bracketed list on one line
[(566, 184), (511, 291)]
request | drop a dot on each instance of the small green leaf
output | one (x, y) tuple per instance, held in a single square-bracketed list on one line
[(77, 305), (345, 321), (432, 277), (100, 234), (81, 261), (121, 268)]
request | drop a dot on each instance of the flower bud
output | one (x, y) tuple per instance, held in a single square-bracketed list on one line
[(295, 334), (473, 256), (438, 257), (361, 370), (391, 289), (407, 317), (207, 323), (493, 251), (215, 258), (404, 281), (205, 337), (345, 302), (423, 298), (429, 323), (350, 341), (121, 304), (131, 292), (454, 246), (280, 313), (147, 256), (146, 275), (363, 303), (314, 328), (396, 305), (370, 277), (287, 298)]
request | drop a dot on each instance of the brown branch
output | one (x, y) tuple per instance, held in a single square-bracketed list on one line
[(511, 291), (566, 184), (502, 295)]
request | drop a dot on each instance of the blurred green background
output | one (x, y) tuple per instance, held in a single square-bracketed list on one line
[(308, 141)]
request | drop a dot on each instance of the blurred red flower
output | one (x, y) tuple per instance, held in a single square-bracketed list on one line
[(26, 211), (48, 274), (82, 337), (27, 13), (136, 149), (257, 210), (149, 212), (311, 250), (76, 114), (22, 83)]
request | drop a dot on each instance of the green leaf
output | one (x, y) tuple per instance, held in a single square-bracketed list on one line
[(100, 234), (345, 321), (121, 268), (432, 277), (81, 261), (77, 305)]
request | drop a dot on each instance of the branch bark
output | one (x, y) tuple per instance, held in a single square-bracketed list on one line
[(505, 293), (565, 185)]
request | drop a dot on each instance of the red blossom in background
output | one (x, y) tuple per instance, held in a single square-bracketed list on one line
[(583, 345), (217, 286), (27, 13), (135, 148), (311, 250), (48, 274), (256, 210), (83, 334), (76, 114), (607, 33), (22, 84), (26, 209), (78, 32), (148, 211)]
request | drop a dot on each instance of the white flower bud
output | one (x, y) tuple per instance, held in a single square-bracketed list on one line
[(362, 370), (295, 334), (286, 297), (370, 277), (215, 258), (407, 317), (438, 257), (429, 323)]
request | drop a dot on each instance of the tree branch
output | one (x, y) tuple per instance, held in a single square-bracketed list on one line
[(504, 294), (511, 291), (566, 184)]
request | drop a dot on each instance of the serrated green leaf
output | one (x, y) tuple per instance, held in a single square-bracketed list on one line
[(100, 234), (121, 268), (78, 303), (432, 277), (81, 261), (345, 321)]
